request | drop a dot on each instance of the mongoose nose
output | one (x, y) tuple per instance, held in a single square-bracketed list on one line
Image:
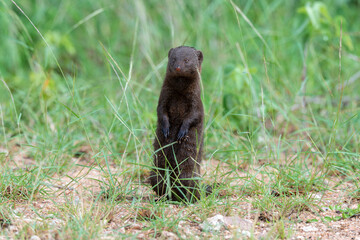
[(178, 69)]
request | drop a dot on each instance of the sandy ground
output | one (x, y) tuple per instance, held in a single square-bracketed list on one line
[(66, 196)]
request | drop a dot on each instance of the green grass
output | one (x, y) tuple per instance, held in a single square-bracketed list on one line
[(88, 74)]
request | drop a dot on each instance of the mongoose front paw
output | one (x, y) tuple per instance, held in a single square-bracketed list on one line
[(165, 131), (182, 135)]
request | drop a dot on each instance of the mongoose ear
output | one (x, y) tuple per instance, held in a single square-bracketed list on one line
[(171, 49), (200, 56)]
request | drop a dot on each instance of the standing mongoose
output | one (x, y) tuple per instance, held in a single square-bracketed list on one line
[(179, 135)]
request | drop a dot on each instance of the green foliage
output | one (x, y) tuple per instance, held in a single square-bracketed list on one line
[(238, 107), (21, 184), (323, 25), (345, 214)]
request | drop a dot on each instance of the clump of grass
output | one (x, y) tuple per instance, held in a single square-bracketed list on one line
[(22, 184), (5, 215)]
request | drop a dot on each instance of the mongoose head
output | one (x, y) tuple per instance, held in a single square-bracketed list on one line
[(184, 62)]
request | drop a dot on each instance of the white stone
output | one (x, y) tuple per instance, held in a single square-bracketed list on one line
[(318, 196), (215, 223), (246, 233), (309, 229), (219, 222), (34, 237), (236, 222)]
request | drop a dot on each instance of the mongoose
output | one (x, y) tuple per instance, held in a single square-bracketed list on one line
[(179, 135)]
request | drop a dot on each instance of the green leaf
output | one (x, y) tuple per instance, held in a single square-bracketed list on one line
[(327, 219), (312, 220), (70, 110)]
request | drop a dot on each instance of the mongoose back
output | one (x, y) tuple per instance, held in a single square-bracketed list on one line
[(179, 135)]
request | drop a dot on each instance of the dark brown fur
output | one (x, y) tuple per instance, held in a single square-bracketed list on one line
[(179, 134)]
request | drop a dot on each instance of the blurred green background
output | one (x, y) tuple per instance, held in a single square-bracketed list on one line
[(77, 73)]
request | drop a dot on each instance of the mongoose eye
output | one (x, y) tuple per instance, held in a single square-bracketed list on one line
[(186, 60)]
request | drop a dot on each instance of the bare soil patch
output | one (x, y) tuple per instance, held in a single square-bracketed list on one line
[(79, 192)]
